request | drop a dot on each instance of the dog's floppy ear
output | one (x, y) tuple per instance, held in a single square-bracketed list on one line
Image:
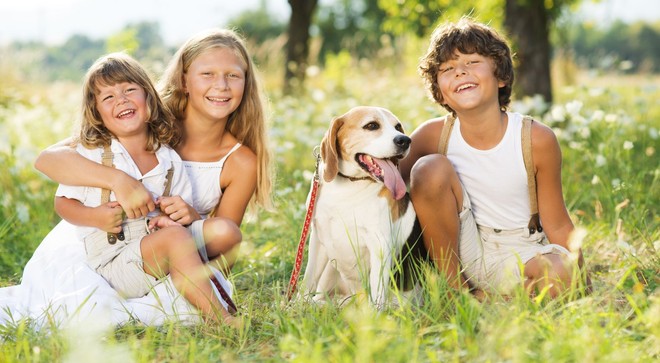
[(330, 150)]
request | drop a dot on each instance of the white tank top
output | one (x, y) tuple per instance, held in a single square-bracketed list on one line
[(495, 179), (205, 179)]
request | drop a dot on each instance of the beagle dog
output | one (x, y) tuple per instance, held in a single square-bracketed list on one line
[(363, 214)]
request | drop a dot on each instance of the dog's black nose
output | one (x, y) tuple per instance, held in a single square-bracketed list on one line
[(402, 141)]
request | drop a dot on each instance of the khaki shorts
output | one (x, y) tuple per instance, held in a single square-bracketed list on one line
[(493, 259), (121, 263)]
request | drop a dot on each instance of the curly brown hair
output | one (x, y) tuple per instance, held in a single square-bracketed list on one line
[(116, 68), (467, 37)]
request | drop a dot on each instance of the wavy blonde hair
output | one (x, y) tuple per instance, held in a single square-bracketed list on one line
[(116, 68), (248, 122)]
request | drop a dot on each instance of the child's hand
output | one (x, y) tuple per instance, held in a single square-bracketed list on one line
[(108, 217), (133, 196), (177, 209), (161, 221)]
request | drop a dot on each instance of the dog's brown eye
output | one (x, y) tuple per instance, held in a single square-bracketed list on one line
[(399, 128), (371, 126)]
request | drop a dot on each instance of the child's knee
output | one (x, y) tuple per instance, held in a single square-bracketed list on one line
[(431, 172), (222, 230), (178, 240), (552, 267), (177, 234)]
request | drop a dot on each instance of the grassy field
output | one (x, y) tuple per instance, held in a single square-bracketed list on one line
[(609, 131)]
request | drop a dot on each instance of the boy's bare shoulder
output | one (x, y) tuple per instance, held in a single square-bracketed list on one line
[(431, 127), (427, 135), (542, 135)]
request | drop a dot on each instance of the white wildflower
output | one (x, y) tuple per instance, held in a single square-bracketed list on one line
[(600, 160), (653, 132), (575, 145), (585, 132), (308, 174), (574, 107), (536, 104), (595, 92), (628, 145), (579, 119), (616, 182), (610, 117), (318, 95), (6, 200), (22, 212), (558, 113), (598, 115), (595, 180)]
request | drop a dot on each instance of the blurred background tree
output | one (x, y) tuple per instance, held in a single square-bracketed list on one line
[(297, 48), (378, 32)]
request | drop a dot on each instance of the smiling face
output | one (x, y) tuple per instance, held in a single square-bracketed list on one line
[(214, 82), (123, 108), (372, 131), (366, 142), (468, 81)]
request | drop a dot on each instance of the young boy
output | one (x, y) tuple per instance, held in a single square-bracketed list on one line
[(473, 204)]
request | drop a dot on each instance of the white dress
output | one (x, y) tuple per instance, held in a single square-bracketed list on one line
[(58, 286)]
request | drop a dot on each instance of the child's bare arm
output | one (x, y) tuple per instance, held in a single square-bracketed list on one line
[(107, 217), (424, 142), (64, 165), (555, 219), (238, 181)]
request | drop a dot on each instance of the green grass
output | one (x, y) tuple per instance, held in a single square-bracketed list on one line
[(610, 147)]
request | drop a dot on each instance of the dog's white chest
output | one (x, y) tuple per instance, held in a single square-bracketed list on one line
[(350, 215)]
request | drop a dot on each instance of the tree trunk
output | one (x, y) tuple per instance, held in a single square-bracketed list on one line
[(297, 49), (528, 25)]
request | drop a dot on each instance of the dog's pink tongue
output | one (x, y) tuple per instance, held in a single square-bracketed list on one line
[(393, 180)]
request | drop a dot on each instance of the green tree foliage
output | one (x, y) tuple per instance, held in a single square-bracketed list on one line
[(124, 41), (258, 25), (71, 59), (142, 40), (625, 47), (353, 26), (421, 17)]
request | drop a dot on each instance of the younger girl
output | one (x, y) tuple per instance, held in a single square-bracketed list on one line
[(125, 125)]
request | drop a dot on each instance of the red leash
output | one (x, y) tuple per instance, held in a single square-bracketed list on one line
[(293, 282)]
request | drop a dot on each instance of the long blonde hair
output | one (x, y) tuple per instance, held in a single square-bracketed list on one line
[(116, 68), (248, 122)]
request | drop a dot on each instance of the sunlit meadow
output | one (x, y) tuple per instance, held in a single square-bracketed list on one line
[(609, 131)]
